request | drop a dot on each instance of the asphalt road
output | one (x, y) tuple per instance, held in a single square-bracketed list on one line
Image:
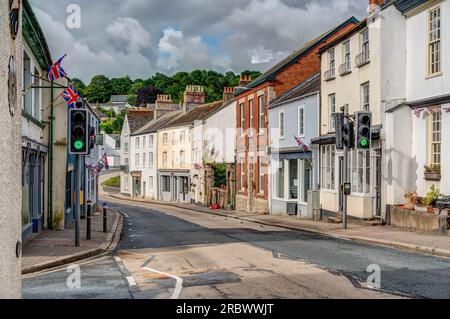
[(217, 257)]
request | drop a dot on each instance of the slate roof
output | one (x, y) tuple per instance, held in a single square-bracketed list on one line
[(310, 85), (138, 118), (155, 125), (271, 74), (356, 28), (199, 113), (119, 98), (406, 5)]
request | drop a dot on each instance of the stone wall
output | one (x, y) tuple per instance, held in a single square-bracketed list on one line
[(10, 160), (419, 222)]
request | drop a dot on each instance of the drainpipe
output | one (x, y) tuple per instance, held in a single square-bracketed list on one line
[(235, 182), (50, 164)]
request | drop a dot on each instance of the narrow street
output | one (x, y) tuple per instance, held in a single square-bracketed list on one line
[(168, 252)]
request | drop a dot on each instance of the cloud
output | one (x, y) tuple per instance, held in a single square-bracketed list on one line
[(131, 32), (140, 37), (178, 52)]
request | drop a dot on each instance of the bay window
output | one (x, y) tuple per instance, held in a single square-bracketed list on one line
[(359, 165)]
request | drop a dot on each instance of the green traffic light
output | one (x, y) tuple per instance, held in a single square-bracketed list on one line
[(78, 145), (364, 142)]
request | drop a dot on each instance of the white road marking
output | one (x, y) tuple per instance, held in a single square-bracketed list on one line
[(131, 281), (178, 286)]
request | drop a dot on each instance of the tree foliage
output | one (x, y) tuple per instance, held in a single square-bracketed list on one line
[(101, 88)]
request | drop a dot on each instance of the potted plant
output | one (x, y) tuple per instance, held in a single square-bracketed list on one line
[(431, 198), (411, 200), (433, 172)]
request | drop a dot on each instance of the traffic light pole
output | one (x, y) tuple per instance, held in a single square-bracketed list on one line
[(78, 203), (346, 177)]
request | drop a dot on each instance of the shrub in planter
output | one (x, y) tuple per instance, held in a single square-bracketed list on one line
[(433, 172)]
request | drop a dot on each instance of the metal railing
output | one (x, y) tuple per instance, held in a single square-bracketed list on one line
[(344, 68), (363, 58), (329, 75)]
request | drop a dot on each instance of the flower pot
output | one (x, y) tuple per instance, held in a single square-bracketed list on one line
[(433, 176), (421, 209)]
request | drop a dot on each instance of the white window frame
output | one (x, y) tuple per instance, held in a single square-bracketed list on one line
[(182, 157), (151, 160), (251, 117), (137, 142), (174, 137), (365, 44), (242, 177), (144, 141), (365, 93), (165, 159), (242, 114), (332, 61), (357, 171), (137, 160), (435, 137), (183, 136), (346, 54), (151, 181), (144, 159), (282, 124), (328, 168), (261, 108), (331, 111), (165, 139), (262, 176), (434, 40), (151, 140), (301, 121)]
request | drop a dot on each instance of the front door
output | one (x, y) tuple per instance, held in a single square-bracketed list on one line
[(144, 188), (136, 187)]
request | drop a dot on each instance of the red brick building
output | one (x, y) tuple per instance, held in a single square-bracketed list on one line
[(253, 99)]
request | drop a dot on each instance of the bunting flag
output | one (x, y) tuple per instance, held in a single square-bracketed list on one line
[(102, 164), (56, 71), (418, 111), (71, 96), (302, 145)]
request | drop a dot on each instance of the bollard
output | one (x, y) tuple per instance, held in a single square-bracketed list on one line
[(89, 220), (105, 218)]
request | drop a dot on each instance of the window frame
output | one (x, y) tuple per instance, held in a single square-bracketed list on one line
[(432, 153), (328, 164), (242, 115), (301, 124), (332, 61), (261, 109), (251, 109), (165, 139), (366, 169), (431, 43), (242, 174), (346, 54), (365, 105), (365, 44), (261, 176), (282, 124), (331, 124)]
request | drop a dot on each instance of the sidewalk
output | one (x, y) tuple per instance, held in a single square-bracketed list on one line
[(55, 248), (378, 235)]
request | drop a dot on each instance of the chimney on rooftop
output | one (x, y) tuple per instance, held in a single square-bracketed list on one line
[(228, 94), (163, 105), (375, 5), (245, 80), (193, 96)]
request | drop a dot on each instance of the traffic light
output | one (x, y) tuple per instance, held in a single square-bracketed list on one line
[(363, 130), (339, 128), (348, 135), (78, 132)]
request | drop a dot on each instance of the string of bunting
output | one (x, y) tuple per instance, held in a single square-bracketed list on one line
[(428, 111)]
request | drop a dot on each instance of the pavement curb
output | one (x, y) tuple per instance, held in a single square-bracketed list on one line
[(443, 253), (110, 243)]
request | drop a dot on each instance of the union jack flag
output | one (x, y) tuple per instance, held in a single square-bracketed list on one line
[(302, 145), (56, 71), (71, 96)]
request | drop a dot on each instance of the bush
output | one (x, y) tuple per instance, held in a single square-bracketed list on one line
[(113, 182)]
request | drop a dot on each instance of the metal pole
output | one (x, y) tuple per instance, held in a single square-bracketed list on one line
[(50, 164), (77, 203), (89, 219), (105, 217), (346, 177)]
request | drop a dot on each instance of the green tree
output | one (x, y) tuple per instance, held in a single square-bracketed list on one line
[(121, 86), (99, 90), (79, 86)]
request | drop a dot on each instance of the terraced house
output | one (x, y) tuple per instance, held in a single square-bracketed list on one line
[(253, 99)]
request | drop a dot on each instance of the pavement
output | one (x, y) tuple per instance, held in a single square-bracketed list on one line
[(388, 236), (55, 248)]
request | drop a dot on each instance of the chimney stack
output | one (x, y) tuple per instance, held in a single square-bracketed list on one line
[(245, 80), (193, 96), (163, 105), (228, 94), (375, 5)]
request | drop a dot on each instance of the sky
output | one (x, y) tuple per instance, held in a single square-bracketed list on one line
[(141, 37)]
